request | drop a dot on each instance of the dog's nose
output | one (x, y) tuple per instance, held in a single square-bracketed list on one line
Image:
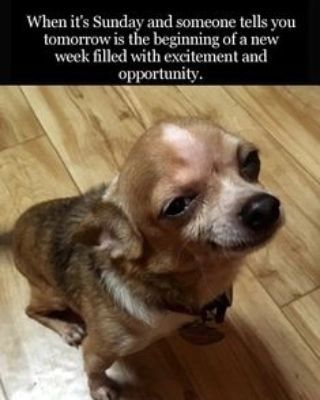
[(260, 212)]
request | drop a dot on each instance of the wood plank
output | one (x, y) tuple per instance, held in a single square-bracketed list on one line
[(31, 173), (304, 315), (30, 360), (307, 98), (262, 357), (17, 122), (156, 103), (91, 128), (286, 119)]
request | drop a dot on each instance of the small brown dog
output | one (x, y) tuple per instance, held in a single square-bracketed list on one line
[(139, 258)]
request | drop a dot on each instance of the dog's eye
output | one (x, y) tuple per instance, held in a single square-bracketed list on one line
[(250, 166), (177, 206)]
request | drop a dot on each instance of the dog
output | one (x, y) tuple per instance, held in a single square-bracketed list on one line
[(130, 262)]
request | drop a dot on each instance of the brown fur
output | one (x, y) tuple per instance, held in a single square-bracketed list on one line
[(73, 250)]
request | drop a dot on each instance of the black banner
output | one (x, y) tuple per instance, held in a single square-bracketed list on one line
[(208, 43)]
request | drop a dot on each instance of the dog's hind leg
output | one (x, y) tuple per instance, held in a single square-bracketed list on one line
[(97, 358), (51, 311)]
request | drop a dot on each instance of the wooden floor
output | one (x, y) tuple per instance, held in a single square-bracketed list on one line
[(57, 141)]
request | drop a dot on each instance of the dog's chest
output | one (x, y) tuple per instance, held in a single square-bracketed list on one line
[(150, 323), (160, 324)]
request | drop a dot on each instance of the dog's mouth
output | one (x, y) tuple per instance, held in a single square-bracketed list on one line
[(241, 245), (246, 243)]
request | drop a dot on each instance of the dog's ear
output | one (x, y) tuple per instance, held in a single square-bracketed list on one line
[(108, 228)]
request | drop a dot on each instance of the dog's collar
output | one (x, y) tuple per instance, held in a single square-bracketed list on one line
[(214, 310)]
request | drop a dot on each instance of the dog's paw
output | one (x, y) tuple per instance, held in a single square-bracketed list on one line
[(105, 393), (73, 334)]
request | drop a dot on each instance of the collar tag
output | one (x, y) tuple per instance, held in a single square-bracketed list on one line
[(203, 331)]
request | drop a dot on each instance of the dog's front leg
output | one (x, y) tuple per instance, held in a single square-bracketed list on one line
[(97, 359)]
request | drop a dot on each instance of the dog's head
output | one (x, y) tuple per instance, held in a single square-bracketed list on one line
[(189, 184)]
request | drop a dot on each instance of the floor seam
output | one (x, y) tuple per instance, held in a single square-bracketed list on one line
[(51, 143), (21, 143), (3, 390), (302, 296), (285, 316)]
